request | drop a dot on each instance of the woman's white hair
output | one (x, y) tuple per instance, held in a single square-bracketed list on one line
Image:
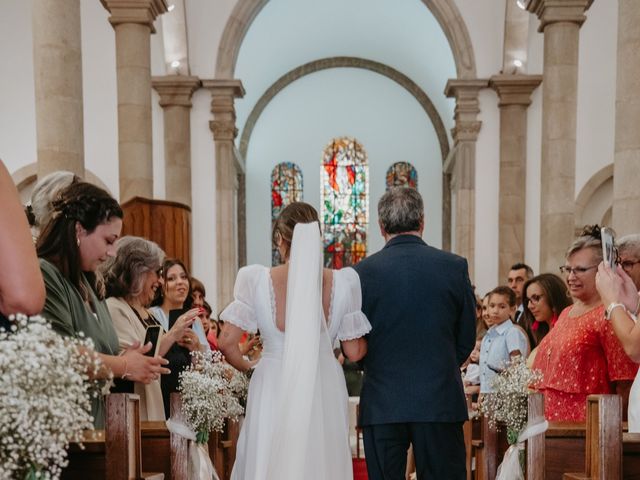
[(45, 192)]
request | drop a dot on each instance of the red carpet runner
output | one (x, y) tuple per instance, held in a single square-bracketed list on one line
[(359, 469)]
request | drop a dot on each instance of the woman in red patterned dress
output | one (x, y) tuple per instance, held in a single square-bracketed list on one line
[(581, 355)]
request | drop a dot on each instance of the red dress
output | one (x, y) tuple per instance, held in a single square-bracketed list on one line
[(580, 356)]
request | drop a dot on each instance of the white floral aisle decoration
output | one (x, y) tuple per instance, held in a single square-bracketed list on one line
[(46, 397), (507, 408), (211, 391)]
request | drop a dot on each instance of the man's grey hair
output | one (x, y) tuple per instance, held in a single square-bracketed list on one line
[(401, 210), (629, 244), (135, 256)]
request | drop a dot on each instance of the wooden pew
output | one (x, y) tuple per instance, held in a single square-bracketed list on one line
[(115, 453), (610, 453), (165, 452), (489, 445)]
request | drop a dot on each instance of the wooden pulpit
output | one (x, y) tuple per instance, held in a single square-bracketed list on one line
[(166, 223)]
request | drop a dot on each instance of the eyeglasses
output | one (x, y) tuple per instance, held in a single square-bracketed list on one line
[(577, 271), (535, 298), (628, 264)]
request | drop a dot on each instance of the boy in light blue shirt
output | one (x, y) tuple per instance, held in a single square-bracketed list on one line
[(504, 341)]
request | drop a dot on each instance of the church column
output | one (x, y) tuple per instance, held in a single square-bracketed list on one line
[(514, 92), (465, 135), (132, 21), (57, 65), (223, 127), (560, 22), (626, 196), (175, 99)]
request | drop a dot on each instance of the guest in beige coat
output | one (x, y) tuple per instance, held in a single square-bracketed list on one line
[(131, 280)]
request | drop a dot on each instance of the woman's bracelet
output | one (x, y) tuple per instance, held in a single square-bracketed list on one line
[(125, 374), (613, 305)]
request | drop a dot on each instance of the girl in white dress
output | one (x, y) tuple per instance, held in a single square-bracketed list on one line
[(296, 423)]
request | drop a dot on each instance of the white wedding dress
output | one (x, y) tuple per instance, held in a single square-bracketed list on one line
[(633, 413), (296, 422)]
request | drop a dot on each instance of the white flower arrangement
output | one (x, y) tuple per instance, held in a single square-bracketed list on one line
[(507, 405), (208, 397), (46, 397)]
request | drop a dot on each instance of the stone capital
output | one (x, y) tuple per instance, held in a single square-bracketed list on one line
[(223, 130), (466, 131), (466, 94), (223, 94), (143, 12), (514, 89), (175, 89), (467, 107), (559, 11)]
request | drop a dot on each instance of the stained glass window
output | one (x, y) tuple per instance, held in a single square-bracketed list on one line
[(402, 174), (286, 187), (345, 202)]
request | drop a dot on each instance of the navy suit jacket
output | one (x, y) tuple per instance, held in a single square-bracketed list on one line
[(421, 306)]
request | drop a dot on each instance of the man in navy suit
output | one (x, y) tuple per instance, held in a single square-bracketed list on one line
[(421, 306)]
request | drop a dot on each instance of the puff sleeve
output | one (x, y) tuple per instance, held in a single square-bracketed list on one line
[(241, 311), (348, 298)]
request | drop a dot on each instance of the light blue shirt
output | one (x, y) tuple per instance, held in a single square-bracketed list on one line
[(160, 316), (495, 351)]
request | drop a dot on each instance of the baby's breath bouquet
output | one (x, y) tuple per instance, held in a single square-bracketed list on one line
[(507, 405), (46, 397), (208, 398)]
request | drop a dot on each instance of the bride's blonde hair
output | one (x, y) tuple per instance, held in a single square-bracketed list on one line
[(291, 215)]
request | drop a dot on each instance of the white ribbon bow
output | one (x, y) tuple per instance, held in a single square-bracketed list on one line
[(510, 468), (200, 466)]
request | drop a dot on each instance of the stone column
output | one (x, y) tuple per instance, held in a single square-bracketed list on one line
[(57, 68), (465, 135), (132, 21), (175, 99), (223, 126), (560, 21), (626, 195), (514, 92)]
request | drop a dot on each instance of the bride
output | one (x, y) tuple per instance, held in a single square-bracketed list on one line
[(296, 423)]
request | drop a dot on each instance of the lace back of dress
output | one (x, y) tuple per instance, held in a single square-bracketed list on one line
[(304, 332)]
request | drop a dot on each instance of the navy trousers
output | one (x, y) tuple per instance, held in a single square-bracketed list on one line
[(438, 448)]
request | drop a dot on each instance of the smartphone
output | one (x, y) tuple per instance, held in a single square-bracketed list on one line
[(174, 315), (153, 335), (608, 251)]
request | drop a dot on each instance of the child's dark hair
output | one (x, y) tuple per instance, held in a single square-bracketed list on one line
[(506, 292)]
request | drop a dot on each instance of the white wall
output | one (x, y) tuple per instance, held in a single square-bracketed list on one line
[(17, 98), (203, 208), (487, 188), (485, 24), (100, 95), (595, 138), (206, 20), (300, 122), (535, 61)]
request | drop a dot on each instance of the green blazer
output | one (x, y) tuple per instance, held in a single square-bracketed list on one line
[(69, 316)]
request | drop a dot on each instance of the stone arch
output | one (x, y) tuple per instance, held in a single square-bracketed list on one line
[(345, 62), (445, 11), (26, 177), (594, 202)]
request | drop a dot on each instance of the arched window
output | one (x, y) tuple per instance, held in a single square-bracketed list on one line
[(345, 202), (286, 187), (402, 174)]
